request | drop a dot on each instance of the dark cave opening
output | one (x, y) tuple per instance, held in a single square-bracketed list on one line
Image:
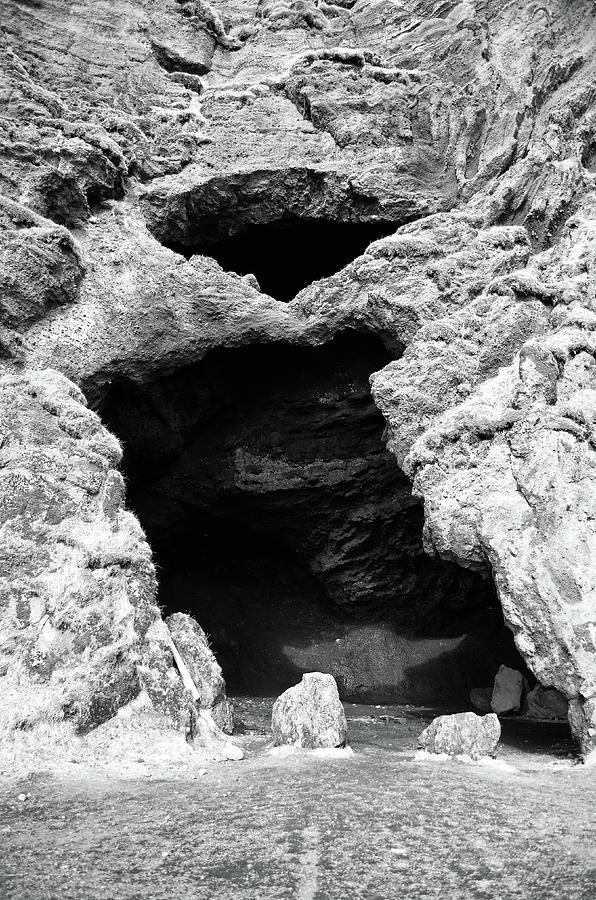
[(288, 254), (281, 522)]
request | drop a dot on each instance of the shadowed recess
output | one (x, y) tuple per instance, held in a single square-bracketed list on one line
[(280, 521), (287, 255)]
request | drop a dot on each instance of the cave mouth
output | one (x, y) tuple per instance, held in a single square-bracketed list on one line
[(288, 254), (280, 521)]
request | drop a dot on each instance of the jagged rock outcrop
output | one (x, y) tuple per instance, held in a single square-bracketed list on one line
[(79, 636), (127, 130)]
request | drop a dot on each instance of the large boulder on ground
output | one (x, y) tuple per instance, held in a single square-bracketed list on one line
[(462, 734), (192, 645), (310, 714), (546, 703), (507, 691)]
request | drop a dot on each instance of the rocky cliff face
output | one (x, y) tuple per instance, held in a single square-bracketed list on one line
[(142, 142)]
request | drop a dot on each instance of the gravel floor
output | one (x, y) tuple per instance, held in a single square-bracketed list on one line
[(378, 824)]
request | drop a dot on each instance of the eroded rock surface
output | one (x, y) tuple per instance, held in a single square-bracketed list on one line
[(79, 636), (131, 128)]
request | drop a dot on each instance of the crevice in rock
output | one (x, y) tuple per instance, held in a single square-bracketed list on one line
[(281, 522), (172, 59)]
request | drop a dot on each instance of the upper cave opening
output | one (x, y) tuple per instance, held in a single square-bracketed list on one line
[(281, 522), (288, 254)]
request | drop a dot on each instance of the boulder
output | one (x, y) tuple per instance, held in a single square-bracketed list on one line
[(507, 691), (310, 714), (462, 734), (546, 703)]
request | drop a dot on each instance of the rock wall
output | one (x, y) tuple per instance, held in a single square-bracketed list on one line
[(506, 473), (130, 128), (81, 635)]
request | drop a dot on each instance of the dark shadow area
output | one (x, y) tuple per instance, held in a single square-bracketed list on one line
[(287, 255), (538, 737), (280, 521)]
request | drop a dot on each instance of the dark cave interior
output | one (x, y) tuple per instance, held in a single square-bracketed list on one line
[(281, 522), (288, 254)]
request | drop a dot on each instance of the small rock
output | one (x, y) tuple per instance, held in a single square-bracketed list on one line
[(546, 703), (480, 699), (310, 714), (507, 691), (462, 734), (22, 797)]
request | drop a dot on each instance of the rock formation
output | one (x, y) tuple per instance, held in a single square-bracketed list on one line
[(310, 714), (507, 691), (138, 142), (192, 645), (546, 703), (462, 734)]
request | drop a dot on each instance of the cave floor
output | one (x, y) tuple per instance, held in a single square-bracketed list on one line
[(376, 824)]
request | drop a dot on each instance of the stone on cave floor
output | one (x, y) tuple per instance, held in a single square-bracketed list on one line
[(208, 738), (310, 714), (480, 699), (546, 703), (192, 645), (462, 734), (507, 691)]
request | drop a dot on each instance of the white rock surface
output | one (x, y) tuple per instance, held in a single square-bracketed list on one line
[(310, 714), (462, 734)]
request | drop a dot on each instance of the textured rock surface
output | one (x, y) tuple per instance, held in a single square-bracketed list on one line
[(78, 582), (310, 714), (462, 734), (78, 617), (192, 645), (507, 691), (469, 126)]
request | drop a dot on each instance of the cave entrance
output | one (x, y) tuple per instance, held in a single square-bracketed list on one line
[(280, 521), (288, 254)]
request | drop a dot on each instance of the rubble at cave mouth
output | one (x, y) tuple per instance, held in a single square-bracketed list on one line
[(281, 522), (288, 254)]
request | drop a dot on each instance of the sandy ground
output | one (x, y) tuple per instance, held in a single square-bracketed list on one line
[(376, 824)]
